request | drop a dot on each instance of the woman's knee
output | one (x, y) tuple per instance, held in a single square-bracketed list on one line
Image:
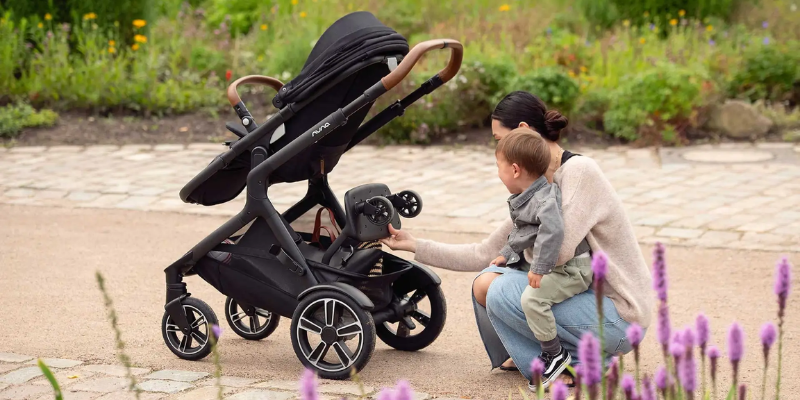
[(480, 286)]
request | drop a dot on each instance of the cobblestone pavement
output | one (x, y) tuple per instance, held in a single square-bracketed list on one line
[(731, 196), (21, 379)]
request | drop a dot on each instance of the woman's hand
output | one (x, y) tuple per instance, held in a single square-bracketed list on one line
[(400, 240)]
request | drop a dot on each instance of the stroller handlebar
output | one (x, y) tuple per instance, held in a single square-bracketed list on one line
[(405, 66), (233, 95)]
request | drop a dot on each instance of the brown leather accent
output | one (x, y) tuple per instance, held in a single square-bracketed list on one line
[(233, 95), (399, 73)]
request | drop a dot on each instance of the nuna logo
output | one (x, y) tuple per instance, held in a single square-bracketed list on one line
[(318, 131)]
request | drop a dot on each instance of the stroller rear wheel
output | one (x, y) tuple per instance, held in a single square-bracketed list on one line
[(197, 344), (253, 323), (429, 315), (332, 334)]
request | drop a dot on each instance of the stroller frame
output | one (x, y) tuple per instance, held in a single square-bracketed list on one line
[(258, 205)]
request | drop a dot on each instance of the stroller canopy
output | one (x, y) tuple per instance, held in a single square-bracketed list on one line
[(349, 41)]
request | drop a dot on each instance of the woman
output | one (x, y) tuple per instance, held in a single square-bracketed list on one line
[(591, 210)]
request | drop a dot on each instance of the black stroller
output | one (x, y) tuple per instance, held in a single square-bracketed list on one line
[(337, 308)]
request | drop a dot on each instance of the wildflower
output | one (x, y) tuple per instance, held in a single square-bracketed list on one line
[(652, 26), (48, 17), (673, 22), (768, 335), (766, 40), (385, 394), (65, 27), (648, 390), (641, 41), (216, 31), (735, 348), (403, 391), (584, 69), (687, 373), (681, 13), (112, 43), (139, 23), (308, 386), (504, 7), (688, 339), (646, 14), (711, 42), (41, 25), (676, 348), (589, 354), (660, 272), (263, 27), (49, 34), (765, 24), (701, 325), (663, 380), (112, 50), (135, 46), (612, 377), (783, 284), (89, 16), (713, 354), (710, 28), (664, 329), (140, 38), (537, 368), (599, 266), (626, 23), (294, 2), (228, 75), (559, 391), (303, 14), (217, 331), (571, 74), (629, 387)]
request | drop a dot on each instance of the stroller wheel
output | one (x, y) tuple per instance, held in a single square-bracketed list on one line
[(197, 344), (430, 312), (332, 334), (413, 204), (255, 324), (384, 211)]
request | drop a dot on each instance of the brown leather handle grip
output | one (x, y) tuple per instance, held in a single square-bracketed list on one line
[(405, 66), (233, 95)]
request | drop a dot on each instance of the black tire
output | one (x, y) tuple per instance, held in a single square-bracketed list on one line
[(417, 340), (413, 203), (259, 326), (196, 310), (348, 321), (386, 211)]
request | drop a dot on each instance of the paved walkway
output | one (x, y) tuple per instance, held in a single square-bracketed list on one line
[(729, 196)]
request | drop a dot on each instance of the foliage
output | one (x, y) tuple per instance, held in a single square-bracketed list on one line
[(552, 85), (768, 72), (15, 117)]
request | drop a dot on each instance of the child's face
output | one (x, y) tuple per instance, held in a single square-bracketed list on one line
[(509, 174)]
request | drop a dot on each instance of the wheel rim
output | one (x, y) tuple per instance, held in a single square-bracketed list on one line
[(248, 324), (330, 335), (382, 215), (421, 316), (411, 204), (196, 340)]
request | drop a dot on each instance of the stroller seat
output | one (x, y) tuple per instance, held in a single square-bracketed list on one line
[(362, 261)]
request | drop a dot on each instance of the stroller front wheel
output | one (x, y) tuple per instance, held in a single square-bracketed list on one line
[(428, 318), (332, 334), (252, 324), (195, 345)]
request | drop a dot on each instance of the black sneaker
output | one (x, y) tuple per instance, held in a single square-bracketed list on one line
[(554, 365)]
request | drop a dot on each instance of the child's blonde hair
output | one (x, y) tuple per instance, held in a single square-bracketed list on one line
[(527, 149)]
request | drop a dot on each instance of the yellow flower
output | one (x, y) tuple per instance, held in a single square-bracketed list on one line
[(294, 2), (41, 25), (112, 43), (584, 69), (504, 7), (274, 9), (135, 46), (710, 28), (112, 50), (140, 38), (260, 58), (642, 41), (571, 74), (139, 23), (626, 23), (48, 17), (303, 14), (646, 14), (673, 22), (655, 29), (681, 13), (263, 27), (89, 16)]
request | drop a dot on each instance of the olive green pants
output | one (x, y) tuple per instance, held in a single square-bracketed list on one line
[(563, 282)]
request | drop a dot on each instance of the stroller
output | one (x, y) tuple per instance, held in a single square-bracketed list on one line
[(336, 307)]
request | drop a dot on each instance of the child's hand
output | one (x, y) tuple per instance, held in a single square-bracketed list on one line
[(499, 261), (535, 280)]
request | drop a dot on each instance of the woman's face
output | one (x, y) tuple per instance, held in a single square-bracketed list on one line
[(499, 131)]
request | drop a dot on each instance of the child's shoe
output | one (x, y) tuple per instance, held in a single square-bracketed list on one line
[(554, 365)]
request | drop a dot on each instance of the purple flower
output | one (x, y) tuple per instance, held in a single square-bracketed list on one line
[(648, 390), (589, 354), (537, 368), (783, 283), (701, 325), (660, 272), (559, 391), (735, 343), (49, 34), (765, 24), (664, 329), (65, 27), (217, 331), (216, 31), (688, 339), (766, 40), (662, 378), (628, 386), (711, 42), (634, 334), (403, 391), (687, 373), (599, 267), (768, 335), (677, 349), (652, 26), (385, 394), (308, 386), (713, 354)]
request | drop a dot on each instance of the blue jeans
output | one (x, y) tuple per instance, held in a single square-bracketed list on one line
[(507, 332)]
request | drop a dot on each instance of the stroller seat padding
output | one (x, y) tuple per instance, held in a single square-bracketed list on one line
[(362, 261)]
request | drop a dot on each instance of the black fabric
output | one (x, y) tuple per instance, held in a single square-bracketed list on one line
[(567, 155), (349, 41)]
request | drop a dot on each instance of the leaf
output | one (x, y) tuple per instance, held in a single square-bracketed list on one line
[(522, 392), (51, 379)]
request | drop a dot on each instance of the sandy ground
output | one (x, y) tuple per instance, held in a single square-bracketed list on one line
[(51, 306)]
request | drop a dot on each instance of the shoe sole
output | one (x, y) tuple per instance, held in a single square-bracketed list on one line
[(555, 375)]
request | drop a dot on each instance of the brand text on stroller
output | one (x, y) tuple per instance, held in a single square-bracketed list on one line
[(318, 131)]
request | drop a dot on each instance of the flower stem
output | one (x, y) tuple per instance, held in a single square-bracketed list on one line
[(112, 316), (636, 360), (599, 297), (780, 358)]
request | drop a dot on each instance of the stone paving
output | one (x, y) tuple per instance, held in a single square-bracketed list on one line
[(730, 196), (79, 381)]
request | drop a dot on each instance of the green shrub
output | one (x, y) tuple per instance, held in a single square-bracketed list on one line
[(15, 117), (592, 107), (552, 85), (654, 103), (767, 72), (607, 13)]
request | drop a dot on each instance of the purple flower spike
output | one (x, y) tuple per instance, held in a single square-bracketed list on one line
[(735, 343), (660, 272), (648, 390), (768, 335), (712, 352), (403, 391), (701, 325), (216, 330), (765, 24), (688, 339), (559, 391), (711, 42), (676, 349), (308, 386), (599, 266), (662, 378), (628, 386), (634, 334), (687, 371), (537, 367), (589, 354), (783, 283), (664, 329), (766, 40), (385, 394)]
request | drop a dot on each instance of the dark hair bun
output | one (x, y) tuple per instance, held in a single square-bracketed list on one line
[(554, 122)]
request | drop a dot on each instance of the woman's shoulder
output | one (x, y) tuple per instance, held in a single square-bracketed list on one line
[(578, 166)]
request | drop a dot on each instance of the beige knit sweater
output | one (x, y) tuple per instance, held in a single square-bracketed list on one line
[(591, 209)]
